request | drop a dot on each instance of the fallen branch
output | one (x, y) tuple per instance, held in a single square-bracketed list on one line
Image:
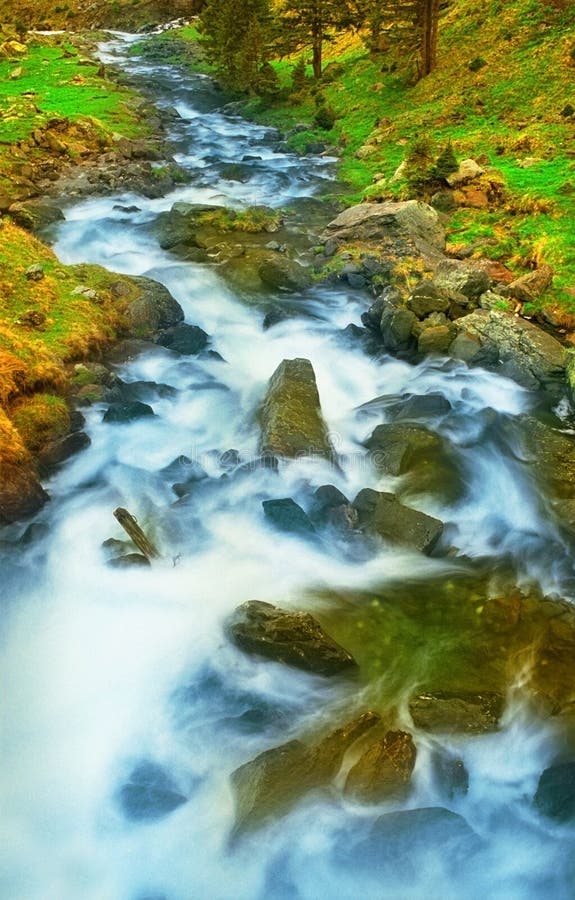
[(130, 525)]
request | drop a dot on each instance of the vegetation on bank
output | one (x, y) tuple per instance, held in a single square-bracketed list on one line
[(501, 93)]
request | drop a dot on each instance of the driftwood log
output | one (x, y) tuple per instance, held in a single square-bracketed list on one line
[(130, 525)]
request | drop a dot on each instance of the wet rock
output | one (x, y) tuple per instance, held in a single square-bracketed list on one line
[(552, 452), (384, 770), (149, 794), (284, 274), (516, 348), (153, 309), (288, 516), (399, 843), (396, 448), (294, 638), (130, 561), (128, 391), (445, 712), (555, 796), (326, 498), (188, 340), (383, 514), (449, 774), (21, 494), (421, 406), (290, 416), (435, 340), (274, 781), (122, 413), (410, 223), (62, 449)]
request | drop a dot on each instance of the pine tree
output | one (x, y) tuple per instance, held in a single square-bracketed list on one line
[(311, 22), (238, 38)]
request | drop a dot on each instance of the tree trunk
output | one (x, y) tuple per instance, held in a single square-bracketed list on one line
[(317, 42), (429, 19)]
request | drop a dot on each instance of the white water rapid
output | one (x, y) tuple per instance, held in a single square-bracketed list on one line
[(105, 671)]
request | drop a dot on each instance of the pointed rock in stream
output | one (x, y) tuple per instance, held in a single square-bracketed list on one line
[(294, 638), (274, 781), (383, 514), (290, 417)]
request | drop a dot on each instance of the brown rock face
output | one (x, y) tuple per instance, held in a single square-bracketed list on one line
[(294, 638), (21, 494), (445, 711), (290, 416), (269, 785), (384, 770)]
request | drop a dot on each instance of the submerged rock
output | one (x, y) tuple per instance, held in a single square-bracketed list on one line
[(555, 796), (290, 417), (151, 793), (383, 514), (122, 413), (384, 770), (274, 781), (446, 711), (295, 638)]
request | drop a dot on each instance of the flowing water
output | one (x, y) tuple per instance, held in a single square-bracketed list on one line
[(107, 671)]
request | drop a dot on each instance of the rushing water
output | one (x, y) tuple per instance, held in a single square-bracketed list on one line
[(104, 670)]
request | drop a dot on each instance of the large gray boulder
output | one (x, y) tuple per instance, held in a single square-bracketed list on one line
[(290, 416), (382, 514), (513, 347), (411, 224), (153, 309), (294, 638)]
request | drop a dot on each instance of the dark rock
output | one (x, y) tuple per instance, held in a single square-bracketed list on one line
[(397, 327), (150, 793), (21, 494), (465, 711), (130, 561), (372, 318), (325, 499), (383, 514), (400, 842), (270, 784), (153, 309), (35, 215), (555, 796), (421, 406), (449, 774), (288, 516), (284, 274), (128, 391), (552, 452), (188, 340), (290, 416), (294, 638), (62, 449), (384, 770), (435, 340), (121, 413)]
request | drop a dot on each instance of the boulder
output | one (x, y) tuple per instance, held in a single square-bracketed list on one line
[(552, 453), (426, 298), (397, 326), (153, 309), (409, 224), (290, 416), (21, 494), (399, 843), (61, 449), (462, 281), (384, 770), (284, 274), (444, 712), (286, 515), (122, 413), (530, 286), (294, 638), (435, 340), (383, 514), (514, 347), (269, 785), (555, 795), (467, 171), (35, 215), (188, 340), (150, 793), (396, 448)]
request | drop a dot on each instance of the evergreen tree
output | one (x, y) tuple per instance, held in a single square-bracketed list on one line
[(238, 39), (311, 22), (412, 24)]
